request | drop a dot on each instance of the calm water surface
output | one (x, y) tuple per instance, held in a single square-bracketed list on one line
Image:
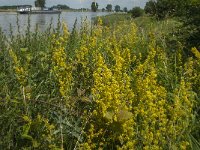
[(43, 20)]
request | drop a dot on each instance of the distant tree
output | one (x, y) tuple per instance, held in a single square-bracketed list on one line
[(117, 8), (40, 3), (9, 7), (103, 9), (187, 12), (190, 17), (125, 9), (94, 6), (109, 7), (62, 6), (163, 8), (150, 7), (137, 12)]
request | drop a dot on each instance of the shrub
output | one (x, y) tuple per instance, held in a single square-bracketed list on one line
[(137, 12)]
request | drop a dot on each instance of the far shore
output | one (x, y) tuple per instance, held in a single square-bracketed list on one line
[(8, 10), (65, 10)]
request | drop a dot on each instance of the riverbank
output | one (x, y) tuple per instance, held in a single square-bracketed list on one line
[(8, 10), (114, 18)]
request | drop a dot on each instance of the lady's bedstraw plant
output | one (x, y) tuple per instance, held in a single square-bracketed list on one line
[(150, 107), (114, 88), (82, 60), (162, 121), (196, 70), (111, 118), (111, 122), (21, 72), (61, 64)]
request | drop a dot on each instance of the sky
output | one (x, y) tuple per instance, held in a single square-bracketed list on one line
[(79, 3)]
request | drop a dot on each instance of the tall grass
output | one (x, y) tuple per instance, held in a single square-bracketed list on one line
[(104, 87)]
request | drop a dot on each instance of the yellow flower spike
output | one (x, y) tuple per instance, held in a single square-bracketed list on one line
[(196, 52), (65, 31), (100, 21), (144, 115), (61, 65), (20, 72), (112, 94)]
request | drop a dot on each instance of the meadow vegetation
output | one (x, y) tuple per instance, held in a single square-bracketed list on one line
[(116, 85)]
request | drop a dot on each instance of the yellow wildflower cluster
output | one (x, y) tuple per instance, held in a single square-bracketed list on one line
[(162, 120), (150, 109), (116, 89), (61, 67), (180, 114), (196, 69), (31, 127), (196, 53), (82, 60), (112, 96), (20, 72), (134, 109)]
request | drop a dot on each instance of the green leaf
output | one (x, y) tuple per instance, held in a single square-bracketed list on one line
[(109, 114), (15, 101), (26, 118), (35, 144), (124, 115), (28, 137), (23, 49)]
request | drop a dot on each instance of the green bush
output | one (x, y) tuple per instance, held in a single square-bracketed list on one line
[(137, 12), (190, 32)]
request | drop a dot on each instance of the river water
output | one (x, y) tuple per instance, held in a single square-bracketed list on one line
[(9, 19)]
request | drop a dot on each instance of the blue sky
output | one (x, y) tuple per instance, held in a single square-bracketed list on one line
[(80, 3)]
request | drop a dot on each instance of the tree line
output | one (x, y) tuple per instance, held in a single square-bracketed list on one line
[(186, 11), (109, 8)]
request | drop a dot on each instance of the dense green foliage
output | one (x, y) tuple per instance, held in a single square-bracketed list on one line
[(94, 6), (166, 8), (109, 7), (187, 11), (8, 7), (150, 7), (63, 7), (191, 25), (117, 85), (117, 8), (125, 9), (103, 9), (40, 3), (137, 12)]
